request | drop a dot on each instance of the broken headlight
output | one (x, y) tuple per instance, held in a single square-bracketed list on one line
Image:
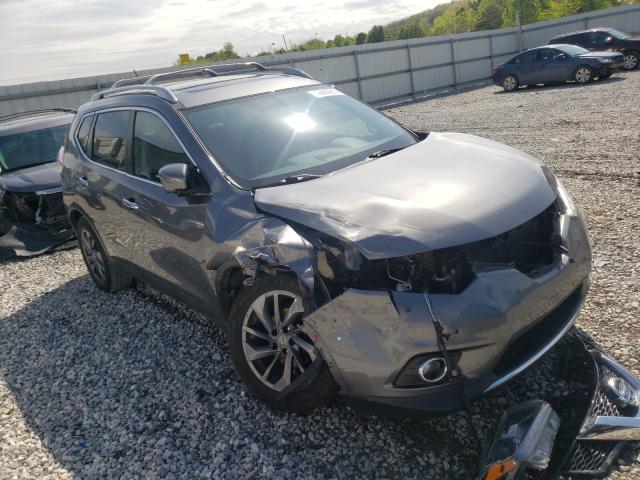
[(523, 442), (565, 202)]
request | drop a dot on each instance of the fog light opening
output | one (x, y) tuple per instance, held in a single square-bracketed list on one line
[(433, 370)]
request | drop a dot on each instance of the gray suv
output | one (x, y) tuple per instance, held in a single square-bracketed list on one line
[(342, 253)]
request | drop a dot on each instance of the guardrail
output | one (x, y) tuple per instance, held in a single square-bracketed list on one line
[(377, 73)]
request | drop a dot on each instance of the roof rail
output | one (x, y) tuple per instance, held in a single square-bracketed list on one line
[(161, 92), (37, 112), (223, 69), (131, 81)]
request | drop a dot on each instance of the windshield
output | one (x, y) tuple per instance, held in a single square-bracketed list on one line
[(618, 34), (572, 49), (28, 149), (263, 139)]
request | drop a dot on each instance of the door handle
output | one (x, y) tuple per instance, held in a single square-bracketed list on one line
[(131, 204), (83, 181)]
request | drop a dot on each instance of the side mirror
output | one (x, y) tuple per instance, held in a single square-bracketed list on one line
[(523, 442), (609, 39), (563, 57), (174, 177)]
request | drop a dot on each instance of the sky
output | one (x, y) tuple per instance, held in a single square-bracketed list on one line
[(56, 39)]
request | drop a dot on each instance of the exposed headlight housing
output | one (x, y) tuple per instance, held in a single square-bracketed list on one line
[(566, 202)]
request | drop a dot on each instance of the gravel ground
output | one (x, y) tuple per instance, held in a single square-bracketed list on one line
[(135, 385)]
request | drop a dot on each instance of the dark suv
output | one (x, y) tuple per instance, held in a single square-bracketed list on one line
[(340, 251), (605, 39), (32, 215)]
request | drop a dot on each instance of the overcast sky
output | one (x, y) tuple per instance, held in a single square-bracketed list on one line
[(55, 39)]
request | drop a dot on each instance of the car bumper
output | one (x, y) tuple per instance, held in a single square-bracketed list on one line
[(498, 326), (24, 240), (613, 67)]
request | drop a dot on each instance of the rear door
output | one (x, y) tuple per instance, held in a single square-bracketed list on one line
[(528, 68), (167, 232), (102, 173)]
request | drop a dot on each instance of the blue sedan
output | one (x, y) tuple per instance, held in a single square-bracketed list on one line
[(560, 63)]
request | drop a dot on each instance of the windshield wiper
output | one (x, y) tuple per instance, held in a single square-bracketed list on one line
[(301, 177), (382, 153)]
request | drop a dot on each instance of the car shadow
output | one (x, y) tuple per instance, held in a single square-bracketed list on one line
[(134, 384), (558, 86)]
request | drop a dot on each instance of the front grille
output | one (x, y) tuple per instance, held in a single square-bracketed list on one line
[(534, 339), (591, 458), (594, 458)]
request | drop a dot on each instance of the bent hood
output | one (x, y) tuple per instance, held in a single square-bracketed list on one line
[(32, 179), (449, 189)]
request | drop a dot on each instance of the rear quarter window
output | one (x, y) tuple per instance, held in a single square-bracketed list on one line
[(83, 133)]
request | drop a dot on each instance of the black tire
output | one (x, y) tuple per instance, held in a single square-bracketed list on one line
[(98, 263), (510, 83), (318, 390), (631, 60), (583, 74)]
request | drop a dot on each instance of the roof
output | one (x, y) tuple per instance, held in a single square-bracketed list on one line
[(210, 84), (192, 93), (35, 120), (583, 31)]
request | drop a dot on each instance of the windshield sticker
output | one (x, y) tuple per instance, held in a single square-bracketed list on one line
[(325, 92)]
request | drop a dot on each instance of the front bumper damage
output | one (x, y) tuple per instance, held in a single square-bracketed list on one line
[(496, 328), (596, 423), (32, 223)]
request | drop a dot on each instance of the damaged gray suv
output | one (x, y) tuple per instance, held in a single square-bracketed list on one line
[(342, 253)]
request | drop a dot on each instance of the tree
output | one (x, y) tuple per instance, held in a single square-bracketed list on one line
[(411, 30), (489, 14), (376, 34), (529, 12), (361, 38)]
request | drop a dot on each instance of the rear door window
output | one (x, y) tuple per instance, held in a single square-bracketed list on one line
[(111, 139), (154, 146)]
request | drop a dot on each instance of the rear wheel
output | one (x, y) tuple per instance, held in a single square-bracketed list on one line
[(98, 263), (270, 351), (510, 83), (631, 60), (583, 74)]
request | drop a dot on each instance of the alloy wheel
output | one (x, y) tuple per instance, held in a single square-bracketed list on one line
[(630, 61), (274, 346), (510, 83), (583, 75), (93, 254)]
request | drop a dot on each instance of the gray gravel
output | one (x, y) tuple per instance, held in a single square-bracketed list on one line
[(135, 385)]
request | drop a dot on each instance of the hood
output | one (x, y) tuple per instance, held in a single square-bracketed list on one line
[(449, 189), (32, 179), (600, 54)]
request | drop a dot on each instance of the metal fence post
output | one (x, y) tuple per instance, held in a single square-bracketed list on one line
[(355, 59), (453, 63), (491, 50), (413, 86)]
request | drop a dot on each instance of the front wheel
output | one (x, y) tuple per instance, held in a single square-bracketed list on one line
[(270, 350), (631, 60), (510, 83), (583, 74)]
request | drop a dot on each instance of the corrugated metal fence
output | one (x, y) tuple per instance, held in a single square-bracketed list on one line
[(376, 73)]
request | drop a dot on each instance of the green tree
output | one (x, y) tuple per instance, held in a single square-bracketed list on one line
[(411, 30), (376, 34), (361, 38), (489, 14), (529, 12)]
